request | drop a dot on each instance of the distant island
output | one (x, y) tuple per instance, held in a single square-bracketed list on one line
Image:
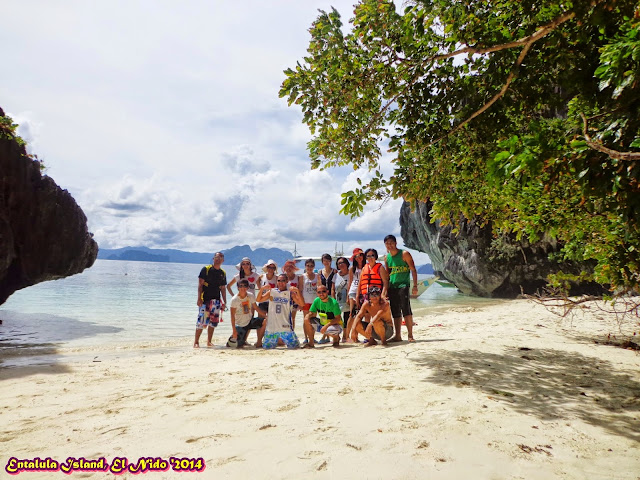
[(232, 256)]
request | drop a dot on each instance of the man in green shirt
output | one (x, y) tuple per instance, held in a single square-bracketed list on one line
[(399, 264), (324, 316)]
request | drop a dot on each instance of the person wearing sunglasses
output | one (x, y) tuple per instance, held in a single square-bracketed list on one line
[(340, 287), (246, 270), (325, 317), (374, 320), (279, 326), (373, 275), (354, 278), (269, 277), (309, 286), (212, 297), (243, 307)]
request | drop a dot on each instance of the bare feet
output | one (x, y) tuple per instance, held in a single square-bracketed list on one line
[(196, 345), (411, 340), (257, 345), (209, 344), (336, 344), (307, 345), (371, 343), (395, 339)]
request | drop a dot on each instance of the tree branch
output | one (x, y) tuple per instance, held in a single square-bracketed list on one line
[(525, 42), (631, 156)]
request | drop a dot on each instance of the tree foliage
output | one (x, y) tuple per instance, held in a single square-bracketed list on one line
[(524, 114)]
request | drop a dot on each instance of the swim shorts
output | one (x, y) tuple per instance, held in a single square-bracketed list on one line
[(270, 340), (209, 314), (332, 330), (388, 330), (399, 300)]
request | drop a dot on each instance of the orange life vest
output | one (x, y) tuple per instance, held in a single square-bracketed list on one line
[(370, 278)]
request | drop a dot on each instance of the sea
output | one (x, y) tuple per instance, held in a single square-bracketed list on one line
[(118, 308)]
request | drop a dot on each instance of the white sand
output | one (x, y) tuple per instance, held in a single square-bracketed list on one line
[(465, 401)]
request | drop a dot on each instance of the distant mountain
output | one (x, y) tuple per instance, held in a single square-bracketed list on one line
[(232, 256), (424, 269)]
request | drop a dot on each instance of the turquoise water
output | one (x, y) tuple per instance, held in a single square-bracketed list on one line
[(120, 305)]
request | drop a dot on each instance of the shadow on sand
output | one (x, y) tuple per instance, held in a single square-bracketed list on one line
[(549, 384)]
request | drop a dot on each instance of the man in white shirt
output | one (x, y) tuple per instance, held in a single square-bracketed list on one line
[(243, 306)]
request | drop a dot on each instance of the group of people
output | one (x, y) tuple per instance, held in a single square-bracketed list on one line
[(361, 296)]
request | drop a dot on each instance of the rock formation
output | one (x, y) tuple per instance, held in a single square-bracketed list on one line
[(479, 264), (43, 231)]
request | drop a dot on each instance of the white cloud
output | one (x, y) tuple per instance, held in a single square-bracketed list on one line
[(163, 120)]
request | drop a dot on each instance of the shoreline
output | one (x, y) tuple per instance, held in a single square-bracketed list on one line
[(498, 391)]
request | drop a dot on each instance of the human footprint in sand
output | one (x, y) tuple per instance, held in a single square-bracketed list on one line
[(325, 317), (373, 320)]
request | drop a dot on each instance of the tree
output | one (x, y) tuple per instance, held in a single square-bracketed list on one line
[(524, 114)]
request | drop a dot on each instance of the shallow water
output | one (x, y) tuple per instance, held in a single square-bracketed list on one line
[(119, 307)]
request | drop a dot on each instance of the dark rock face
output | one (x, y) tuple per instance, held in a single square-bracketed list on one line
[(43, 231), (477, 263)]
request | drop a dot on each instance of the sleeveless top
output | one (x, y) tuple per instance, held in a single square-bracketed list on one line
[(399, 274), (309, 289), (370, 277), (327, 281), (355, 281), (279, 317)]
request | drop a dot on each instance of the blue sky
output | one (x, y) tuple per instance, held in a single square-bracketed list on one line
[(162, 119)]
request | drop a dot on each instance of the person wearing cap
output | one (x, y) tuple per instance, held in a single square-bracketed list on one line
[(243, 306), (212, 297), (324, 316), (290, 268), (245, 270), (281, 300), (357, 258), (373, 321), (400, 266)]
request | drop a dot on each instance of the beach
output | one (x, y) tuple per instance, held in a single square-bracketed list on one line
[(498, 391)]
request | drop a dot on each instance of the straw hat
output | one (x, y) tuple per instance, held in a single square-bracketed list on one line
[(270, 262)]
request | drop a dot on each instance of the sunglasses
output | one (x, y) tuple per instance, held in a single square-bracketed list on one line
[(269, 267), (371, 256), (245, 263)]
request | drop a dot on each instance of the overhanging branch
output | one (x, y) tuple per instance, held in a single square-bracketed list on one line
[(629, 156)]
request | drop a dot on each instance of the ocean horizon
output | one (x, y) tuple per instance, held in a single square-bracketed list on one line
[(120, 306)]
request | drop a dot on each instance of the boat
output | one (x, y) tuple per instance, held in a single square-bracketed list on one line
[(423, 285), (445, 284)]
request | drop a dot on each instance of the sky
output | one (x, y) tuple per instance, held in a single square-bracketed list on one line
[(162, 119)]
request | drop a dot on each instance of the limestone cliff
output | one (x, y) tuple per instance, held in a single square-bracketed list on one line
[(43, 232), (479, 264)]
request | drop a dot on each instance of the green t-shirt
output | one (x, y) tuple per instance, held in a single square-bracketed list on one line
[(323, 308), (399, 273)]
